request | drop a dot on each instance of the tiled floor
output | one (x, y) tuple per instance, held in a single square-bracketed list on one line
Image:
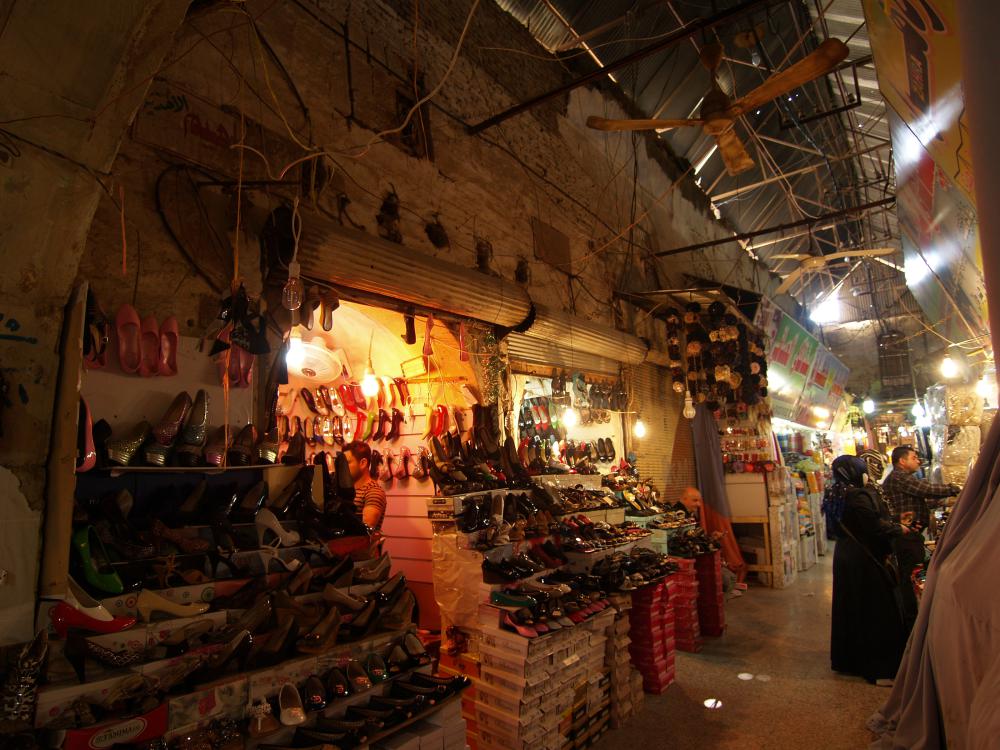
[(794, 701)]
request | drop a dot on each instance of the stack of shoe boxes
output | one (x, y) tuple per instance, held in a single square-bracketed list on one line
[(526, 688), (682, 592), (711, 612), (623, 677), (451, 725), (651, 622)]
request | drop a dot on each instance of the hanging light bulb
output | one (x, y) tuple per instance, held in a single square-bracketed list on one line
[(949, 367), (291, 294), (570, 417), (296, 353), (688, 406), (639, 429), (867, 406), (918, 410), (369, 383)]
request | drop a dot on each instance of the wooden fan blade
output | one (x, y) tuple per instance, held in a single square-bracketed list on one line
[(827, 56), (600, 123), (733, 153)]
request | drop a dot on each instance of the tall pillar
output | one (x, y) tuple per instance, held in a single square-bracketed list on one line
[(978, 21)]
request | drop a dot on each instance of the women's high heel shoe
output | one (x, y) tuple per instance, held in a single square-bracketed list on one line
[(93, 558), (189, 545), (400, 614), (194, 432), (170, 425), (291, 712), (19, 697), (122, 450), (268, 555), (323, 637), (280, 644), (339, 599), (414, 649), (337, 684), (262, 721), (267, 521), (149, 602), (215, 448), (78, 609), (236, 652), (373, 571), (375, 667), (360, 681), (364, 622), (241, 452), (86, 451), (78, 649)]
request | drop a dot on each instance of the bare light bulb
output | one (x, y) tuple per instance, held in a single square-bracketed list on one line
[(688, 406), (291, 293), (949, 367), (570, 417), (369, 383), (918, 410), (867, 406), (296, 353), (639, 429)]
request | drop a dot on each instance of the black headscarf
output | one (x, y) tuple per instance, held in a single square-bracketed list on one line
[(848, 472)]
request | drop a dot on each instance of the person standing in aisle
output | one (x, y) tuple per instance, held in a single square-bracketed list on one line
[(866, 630), (369, 497), (911, 500)]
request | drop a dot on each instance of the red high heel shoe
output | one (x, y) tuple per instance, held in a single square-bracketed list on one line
[(86, 458), (166, 364), (149, 347), (127, 327), (80, 610), (347, 397)]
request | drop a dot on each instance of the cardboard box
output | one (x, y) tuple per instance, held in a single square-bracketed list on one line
[(401, 741)]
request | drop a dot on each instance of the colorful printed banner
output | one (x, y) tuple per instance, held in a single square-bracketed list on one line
[(804, 378)]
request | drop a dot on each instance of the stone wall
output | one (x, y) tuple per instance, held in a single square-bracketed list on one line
[(312, 74)]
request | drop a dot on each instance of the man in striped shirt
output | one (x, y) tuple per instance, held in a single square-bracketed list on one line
[(369, 497)]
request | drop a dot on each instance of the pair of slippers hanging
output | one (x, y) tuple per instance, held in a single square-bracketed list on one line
[(243, 335), (146, 347)]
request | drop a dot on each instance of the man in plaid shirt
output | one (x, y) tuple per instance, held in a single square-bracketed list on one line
[(910, 500)]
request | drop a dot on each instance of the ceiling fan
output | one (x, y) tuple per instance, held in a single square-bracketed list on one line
[(718, 112)]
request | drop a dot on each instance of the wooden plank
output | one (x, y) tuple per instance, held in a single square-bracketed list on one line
[(61, 469)]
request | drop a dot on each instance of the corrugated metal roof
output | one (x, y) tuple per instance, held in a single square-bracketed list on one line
[(671, 83)]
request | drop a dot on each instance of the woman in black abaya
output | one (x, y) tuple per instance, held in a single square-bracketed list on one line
[(867, 635)]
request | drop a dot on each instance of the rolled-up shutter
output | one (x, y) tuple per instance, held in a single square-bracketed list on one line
[(533, 350), (574, 334), (358, 260)]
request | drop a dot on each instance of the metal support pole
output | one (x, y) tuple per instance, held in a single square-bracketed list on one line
[(778, 228)]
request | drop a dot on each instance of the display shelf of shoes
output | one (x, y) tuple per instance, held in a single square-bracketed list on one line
[(587, 481)]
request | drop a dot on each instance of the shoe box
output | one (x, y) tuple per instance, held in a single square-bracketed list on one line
[(136, 729)]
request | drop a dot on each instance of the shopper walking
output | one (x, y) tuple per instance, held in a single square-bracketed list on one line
[(910, 500), (867, 636)]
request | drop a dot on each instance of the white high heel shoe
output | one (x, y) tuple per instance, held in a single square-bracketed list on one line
[(290, 708), (269, 554), (148, 603), (265, 521)]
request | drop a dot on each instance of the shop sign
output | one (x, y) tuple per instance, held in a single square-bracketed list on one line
[(918, 59), (940, 237)]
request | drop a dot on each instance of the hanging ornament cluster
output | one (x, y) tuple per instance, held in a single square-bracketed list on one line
[(715, 357)]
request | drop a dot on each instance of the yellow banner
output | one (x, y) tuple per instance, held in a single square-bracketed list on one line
[(917, 58)]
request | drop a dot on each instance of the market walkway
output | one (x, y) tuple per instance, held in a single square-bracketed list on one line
[(794, 701)]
